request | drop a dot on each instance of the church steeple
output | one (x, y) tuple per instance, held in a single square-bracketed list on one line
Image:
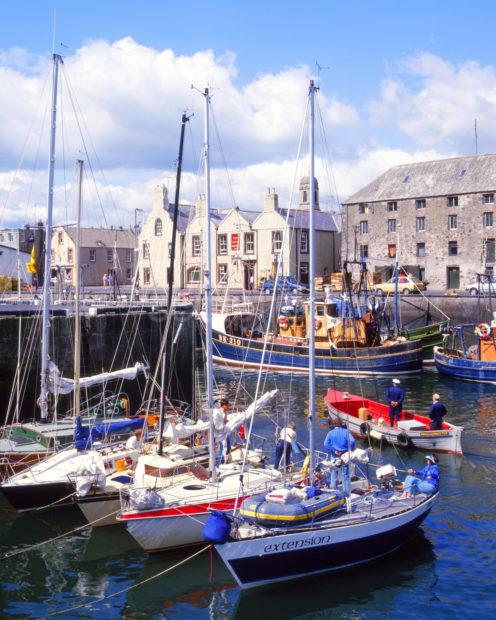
[(305, 194)]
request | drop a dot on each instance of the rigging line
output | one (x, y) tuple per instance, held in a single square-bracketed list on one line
[(221, 150), (331, 176), (62, 127), (135, 585), (26, 140)]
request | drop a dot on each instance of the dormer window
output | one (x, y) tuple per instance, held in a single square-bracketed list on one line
[(158, 227)]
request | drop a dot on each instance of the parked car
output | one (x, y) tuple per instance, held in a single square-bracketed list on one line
[(486, 285), (406, 286), (285, 284)]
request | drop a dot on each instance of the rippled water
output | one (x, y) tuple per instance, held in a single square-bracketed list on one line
[(447, 570)]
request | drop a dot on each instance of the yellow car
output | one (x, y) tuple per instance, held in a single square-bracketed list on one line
[(406, 286)]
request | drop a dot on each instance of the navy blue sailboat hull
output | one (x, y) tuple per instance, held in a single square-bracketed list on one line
[(463, 368), (404, 357)]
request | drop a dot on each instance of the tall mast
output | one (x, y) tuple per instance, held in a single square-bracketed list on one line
[(167, 358), (207, 277), (311, 302), (45, 406), (77, 300)]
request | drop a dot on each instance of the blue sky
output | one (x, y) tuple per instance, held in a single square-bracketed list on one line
[(402, 81)]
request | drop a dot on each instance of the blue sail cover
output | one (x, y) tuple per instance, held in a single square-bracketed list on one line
[(84, 436)]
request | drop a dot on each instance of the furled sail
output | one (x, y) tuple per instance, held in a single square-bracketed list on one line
[(62, 385)]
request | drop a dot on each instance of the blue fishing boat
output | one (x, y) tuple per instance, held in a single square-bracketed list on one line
[(476, 362)]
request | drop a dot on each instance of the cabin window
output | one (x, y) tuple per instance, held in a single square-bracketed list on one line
[(158, 227), (249, 243), (195, 245), (320, 310), (332, 310), (304, 242), (452, 201)]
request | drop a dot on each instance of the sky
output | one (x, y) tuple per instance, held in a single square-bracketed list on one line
[(399, 82)]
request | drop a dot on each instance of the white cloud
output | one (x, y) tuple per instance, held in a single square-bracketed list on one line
[(434, 102)]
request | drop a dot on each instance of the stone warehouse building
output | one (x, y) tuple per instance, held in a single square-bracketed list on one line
[(246, 245), (438, 216), (102, 251)]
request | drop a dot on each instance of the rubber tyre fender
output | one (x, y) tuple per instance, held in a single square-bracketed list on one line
[(364, 429), (403, 440)]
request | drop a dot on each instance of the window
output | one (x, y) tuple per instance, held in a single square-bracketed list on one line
[(453, 277), (364, 227), (452, 222), (158, 227), (194, 275), (1, 237), (362, 208), (488, 199), (196, 245), (452, 248), (146, 275), (490, 251), (392, 206), (364, 251), (406, 179), (462, 173), (420, 224), (487, 219), (129, 255), (11, 237), (222, 273), (420, 249), (70, 255), (391, 250), (276, 241), (304, 242), (420, 204), (304, 272), (110, 256), (128, 274), (391, 226), (452, 201), (222, 245), (60, 237), (92, 255), (305, 195), (146, 250), (249, 243), (421, 274), (489, 271), (169, 250)]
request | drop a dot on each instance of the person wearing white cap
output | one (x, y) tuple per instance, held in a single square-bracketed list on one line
[(437, 411), (395, 396), (429, 481)]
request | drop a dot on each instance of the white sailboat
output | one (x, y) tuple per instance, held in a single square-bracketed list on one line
[(174, 516), (298, 532)]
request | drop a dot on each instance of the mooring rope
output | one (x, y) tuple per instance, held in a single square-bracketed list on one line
[(135, 585)]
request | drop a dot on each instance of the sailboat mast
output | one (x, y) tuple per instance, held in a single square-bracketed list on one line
[(45, 372), (207, 277), (311, 301), (77, 296)]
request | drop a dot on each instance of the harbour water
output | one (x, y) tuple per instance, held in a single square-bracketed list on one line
[(447, 570)]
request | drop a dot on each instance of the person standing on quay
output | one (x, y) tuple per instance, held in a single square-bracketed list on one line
[(395, 397)]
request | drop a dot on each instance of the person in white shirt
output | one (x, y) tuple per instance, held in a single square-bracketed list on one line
[(134, 441), (219, 418), (286, 442)]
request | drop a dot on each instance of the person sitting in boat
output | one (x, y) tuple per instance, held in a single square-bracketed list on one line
[(337, 442), (437, 411), (429, 481), (134, 441), (219, 417), (395, 397), (286, 443)]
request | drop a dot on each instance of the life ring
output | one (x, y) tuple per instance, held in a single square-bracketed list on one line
[(483, 331), (283, 323), (403, 440), (318, 324), (364, 428)]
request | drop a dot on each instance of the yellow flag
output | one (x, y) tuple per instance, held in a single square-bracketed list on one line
[(31, 266)]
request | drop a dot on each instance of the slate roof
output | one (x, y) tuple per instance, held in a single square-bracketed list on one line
[(185, 215), (442, 177), (299, 218), (103, 237)]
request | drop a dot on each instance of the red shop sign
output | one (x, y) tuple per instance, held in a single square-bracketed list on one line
[(235, 242)]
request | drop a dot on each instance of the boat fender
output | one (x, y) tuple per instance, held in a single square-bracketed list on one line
[(217, 528), (305, 467), (483, 331), (364, 428), (318, 324), (403, 440)]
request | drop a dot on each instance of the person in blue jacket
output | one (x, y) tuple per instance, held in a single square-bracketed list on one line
[(427, 483), (337, 442), (395, 397), (437, 411)]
